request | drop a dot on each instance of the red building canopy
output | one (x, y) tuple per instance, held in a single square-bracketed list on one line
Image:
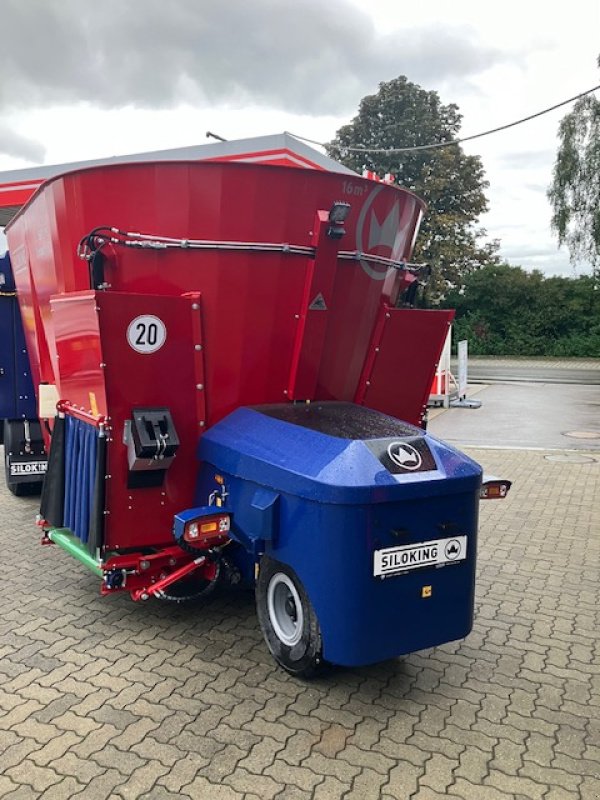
[(17, 186)]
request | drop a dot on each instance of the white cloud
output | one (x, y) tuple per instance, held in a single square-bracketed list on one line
[(15, 145), (309, 57)]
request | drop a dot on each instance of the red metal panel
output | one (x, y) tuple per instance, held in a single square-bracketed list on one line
[(314, 316), (351, 321), (384, 225), (166, 377), (403, 355), (372, 352), (102, 373), (79, 350)]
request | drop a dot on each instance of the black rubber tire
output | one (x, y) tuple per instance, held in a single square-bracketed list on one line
[(18, 489), (302, 658)]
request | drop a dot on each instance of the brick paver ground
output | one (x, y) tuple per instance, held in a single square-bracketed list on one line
[(104, 698)]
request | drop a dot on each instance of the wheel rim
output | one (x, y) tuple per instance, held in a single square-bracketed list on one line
[(285, 609)]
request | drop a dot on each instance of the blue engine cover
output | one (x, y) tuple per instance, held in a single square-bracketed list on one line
[(378, 520)]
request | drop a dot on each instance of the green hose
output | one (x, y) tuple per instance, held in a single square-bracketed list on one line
[(63, 538)]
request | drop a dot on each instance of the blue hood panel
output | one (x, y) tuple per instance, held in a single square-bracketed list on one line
[(335, 453)]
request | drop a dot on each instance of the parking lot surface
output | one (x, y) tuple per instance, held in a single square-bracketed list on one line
[(532, 415), (104, 698)]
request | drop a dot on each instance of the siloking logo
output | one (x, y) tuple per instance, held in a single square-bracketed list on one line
[(404, 455), (383, 231), (20, 468)]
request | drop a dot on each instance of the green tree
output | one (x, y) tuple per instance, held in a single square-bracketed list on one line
[(575, 189), (504, 310), (452, 184)]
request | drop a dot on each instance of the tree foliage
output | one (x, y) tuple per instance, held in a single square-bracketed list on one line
[(504, 310), (452, 184), (575, 190)]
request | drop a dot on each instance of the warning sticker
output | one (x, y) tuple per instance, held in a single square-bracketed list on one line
[(396, 560), (318, 304)]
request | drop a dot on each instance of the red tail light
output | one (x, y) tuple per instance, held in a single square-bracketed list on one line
[(207, 530)]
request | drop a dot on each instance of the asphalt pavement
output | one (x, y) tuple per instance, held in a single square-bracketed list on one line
[(524, 415)]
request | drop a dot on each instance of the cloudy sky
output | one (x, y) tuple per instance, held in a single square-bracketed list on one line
[(91, 78)]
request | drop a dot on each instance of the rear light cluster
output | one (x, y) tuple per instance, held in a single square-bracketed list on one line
[(207, 531), (494, 489)]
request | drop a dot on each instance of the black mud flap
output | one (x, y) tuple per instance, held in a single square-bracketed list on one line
[(52, 504)]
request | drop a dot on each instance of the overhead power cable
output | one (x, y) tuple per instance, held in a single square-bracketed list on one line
[(437, 145)]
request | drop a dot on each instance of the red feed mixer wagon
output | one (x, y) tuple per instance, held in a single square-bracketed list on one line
[(238, 397)]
